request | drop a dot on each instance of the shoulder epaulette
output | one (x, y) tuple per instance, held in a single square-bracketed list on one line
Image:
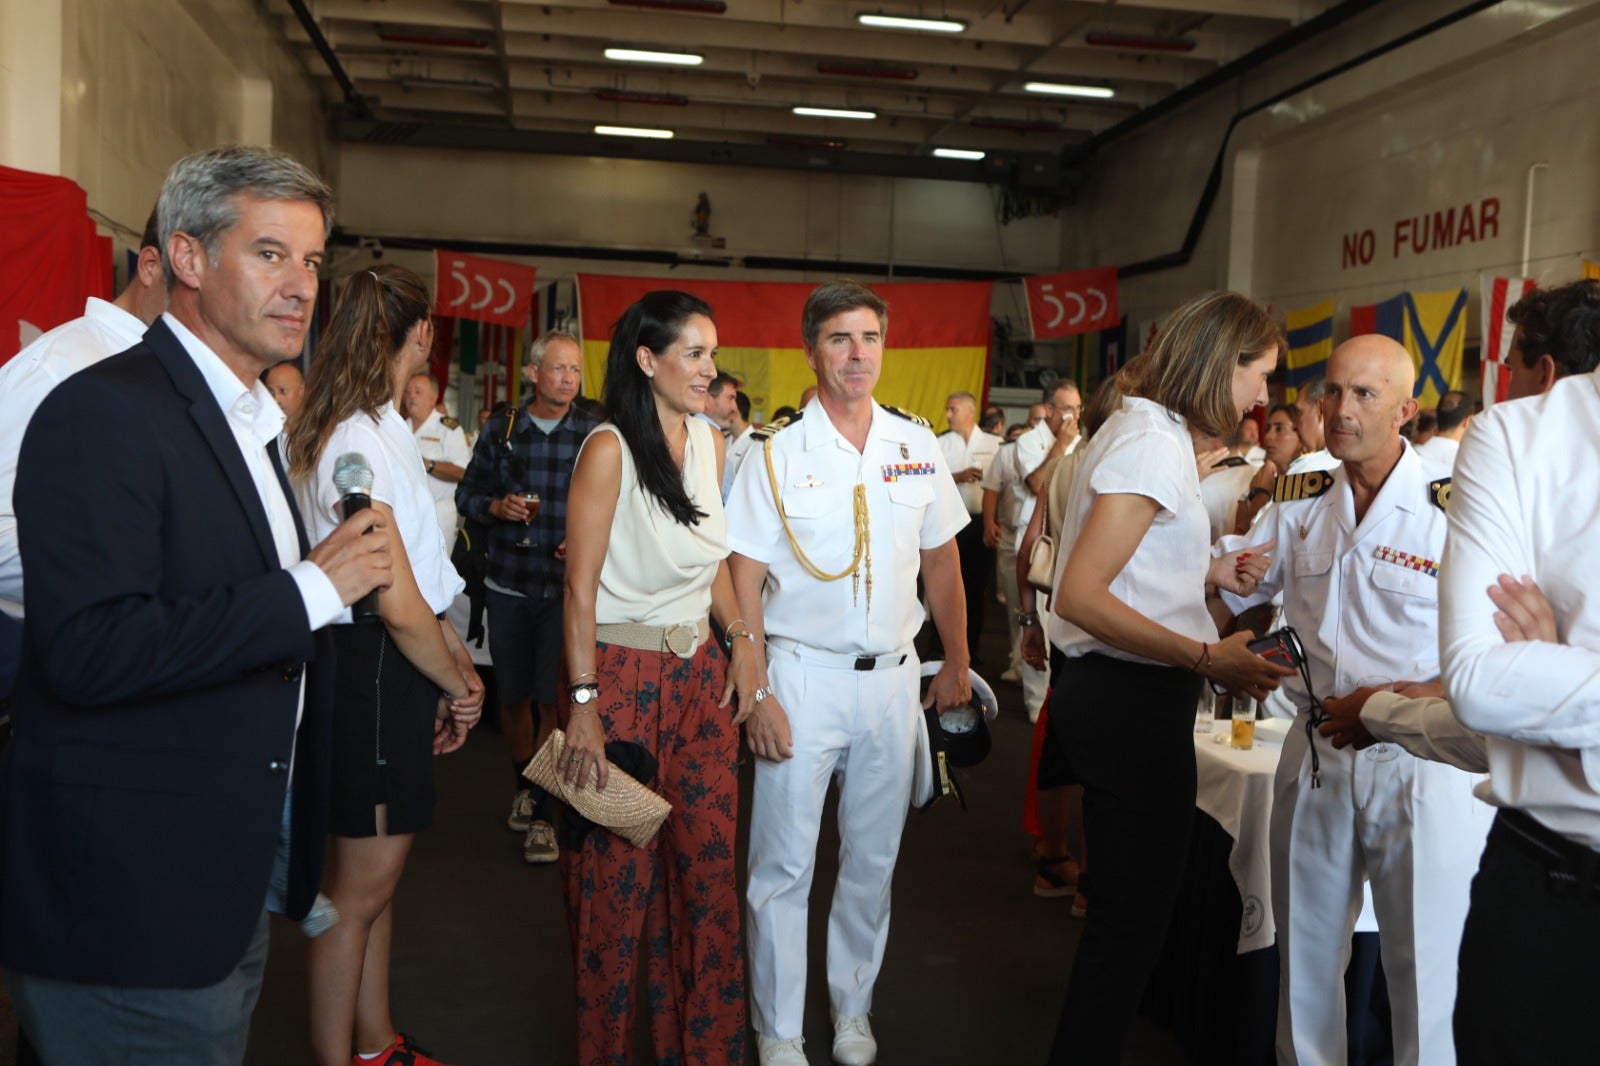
[(908, 416), (1439, 493), (1306, 486), (765, 432), (450, 423)]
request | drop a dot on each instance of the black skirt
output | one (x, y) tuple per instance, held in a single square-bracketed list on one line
[(384, 711)]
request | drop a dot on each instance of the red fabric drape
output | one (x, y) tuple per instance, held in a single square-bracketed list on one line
[(51, 259)]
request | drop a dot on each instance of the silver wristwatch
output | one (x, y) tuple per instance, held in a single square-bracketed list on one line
[(582, 694), (761, 694)]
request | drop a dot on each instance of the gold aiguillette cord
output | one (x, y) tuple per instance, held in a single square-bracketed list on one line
[(863, 548)]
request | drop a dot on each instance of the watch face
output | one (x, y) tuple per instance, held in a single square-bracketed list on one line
[(584, 695)]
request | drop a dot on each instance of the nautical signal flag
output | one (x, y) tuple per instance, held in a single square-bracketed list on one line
[(1591, 269), (1498, 295), (937, 340), (1310, 333), (1433, 328)]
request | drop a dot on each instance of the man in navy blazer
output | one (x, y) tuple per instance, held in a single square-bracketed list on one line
[(174, 684)]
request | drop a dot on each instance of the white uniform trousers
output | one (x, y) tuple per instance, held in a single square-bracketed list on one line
[(1413, 828), (1035, 683), (860, 725)]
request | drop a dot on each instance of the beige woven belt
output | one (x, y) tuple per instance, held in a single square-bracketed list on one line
[(682, 639)]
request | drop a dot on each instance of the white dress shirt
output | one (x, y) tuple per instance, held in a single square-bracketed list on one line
[(256, 420), (439, 442), (1440, 449), (738, 448), (1032, 448), (977, 450), (104, 330), (1146, 450), (1526, 500)]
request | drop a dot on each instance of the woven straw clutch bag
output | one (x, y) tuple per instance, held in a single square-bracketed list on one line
[(626, 807)]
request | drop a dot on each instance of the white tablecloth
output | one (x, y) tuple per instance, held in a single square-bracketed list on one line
[(1235, 788)]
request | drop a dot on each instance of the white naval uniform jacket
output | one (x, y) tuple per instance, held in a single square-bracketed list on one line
[(912, 504), (1364, 599)]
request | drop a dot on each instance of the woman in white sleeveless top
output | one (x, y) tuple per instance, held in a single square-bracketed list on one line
[(404, 686), (646, 564)]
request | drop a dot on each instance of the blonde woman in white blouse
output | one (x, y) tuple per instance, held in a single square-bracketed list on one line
[(1140, 645), (647, 569)]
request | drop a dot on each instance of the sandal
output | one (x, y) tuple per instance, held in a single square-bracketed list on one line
[(1080, 906), (1048, 884)]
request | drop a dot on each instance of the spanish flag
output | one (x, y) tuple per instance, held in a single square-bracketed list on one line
[(1310, 343), (937, 337)]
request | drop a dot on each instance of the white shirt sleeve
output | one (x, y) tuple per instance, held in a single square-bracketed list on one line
[(1531, 692), (754, 530)]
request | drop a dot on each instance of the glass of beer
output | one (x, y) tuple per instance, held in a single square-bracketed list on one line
[(532, 500), (1244, 724)]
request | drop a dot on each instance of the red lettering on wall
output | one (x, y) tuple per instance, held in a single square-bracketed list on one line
[(1358, 249), (1402, 230), (1443, 230), (1489, 218)]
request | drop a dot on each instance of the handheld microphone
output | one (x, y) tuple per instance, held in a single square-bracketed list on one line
[(352, 476)]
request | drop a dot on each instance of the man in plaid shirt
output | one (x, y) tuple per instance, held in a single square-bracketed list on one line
[(516, 485)]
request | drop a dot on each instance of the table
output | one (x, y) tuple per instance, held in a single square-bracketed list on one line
[(1216, 983)]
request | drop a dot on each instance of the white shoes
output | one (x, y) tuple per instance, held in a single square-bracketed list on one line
[(774, 1052), (521, 816), (853, 1044)]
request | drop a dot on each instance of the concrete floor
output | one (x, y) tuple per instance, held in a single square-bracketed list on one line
[(975, 971)]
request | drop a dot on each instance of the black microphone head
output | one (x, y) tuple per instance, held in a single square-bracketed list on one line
[(352, 474)]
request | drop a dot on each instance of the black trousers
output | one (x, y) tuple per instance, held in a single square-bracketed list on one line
[(977, 573), (1525, 992), (1127, 731)]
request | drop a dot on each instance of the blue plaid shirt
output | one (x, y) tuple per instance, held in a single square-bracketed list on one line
[(513, 455)]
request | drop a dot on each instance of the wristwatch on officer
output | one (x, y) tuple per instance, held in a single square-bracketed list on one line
[(1027, 619), (587, 692), (760, 694), (430, 466)]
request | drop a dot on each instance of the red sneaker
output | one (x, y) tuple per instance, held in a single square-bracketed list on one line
[(403, 1052)]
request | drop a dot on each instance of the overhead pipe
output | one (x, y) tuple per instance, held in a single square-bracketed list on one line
[(1527, 214), (353, 100), (1208, 195)]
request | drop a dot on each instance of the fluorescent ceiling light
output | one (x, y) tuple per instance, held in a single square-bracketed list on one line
[(634, 131), (832, 112), (906, 22), (641, 55), (1094, 92), (957, 153)]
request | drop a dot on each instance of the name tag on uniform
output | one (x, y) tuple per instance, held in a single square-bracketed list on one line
[(896, 471), (434, 440), (1409, 561)]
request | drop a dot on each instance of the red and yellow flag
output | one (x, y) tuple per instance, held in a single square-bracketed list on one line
[(938, 337)]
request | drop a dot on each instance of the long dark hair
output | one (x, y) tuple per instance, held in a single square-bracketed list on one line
[(655, 321), (353, 368)]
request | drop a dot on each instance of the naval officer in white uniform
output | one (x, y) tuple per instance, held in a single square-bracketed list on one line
[(1357, 561), (829, 585)]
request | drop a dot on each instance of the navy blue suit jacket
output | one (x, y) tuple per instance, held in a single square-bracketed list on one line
[(154, 711)]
